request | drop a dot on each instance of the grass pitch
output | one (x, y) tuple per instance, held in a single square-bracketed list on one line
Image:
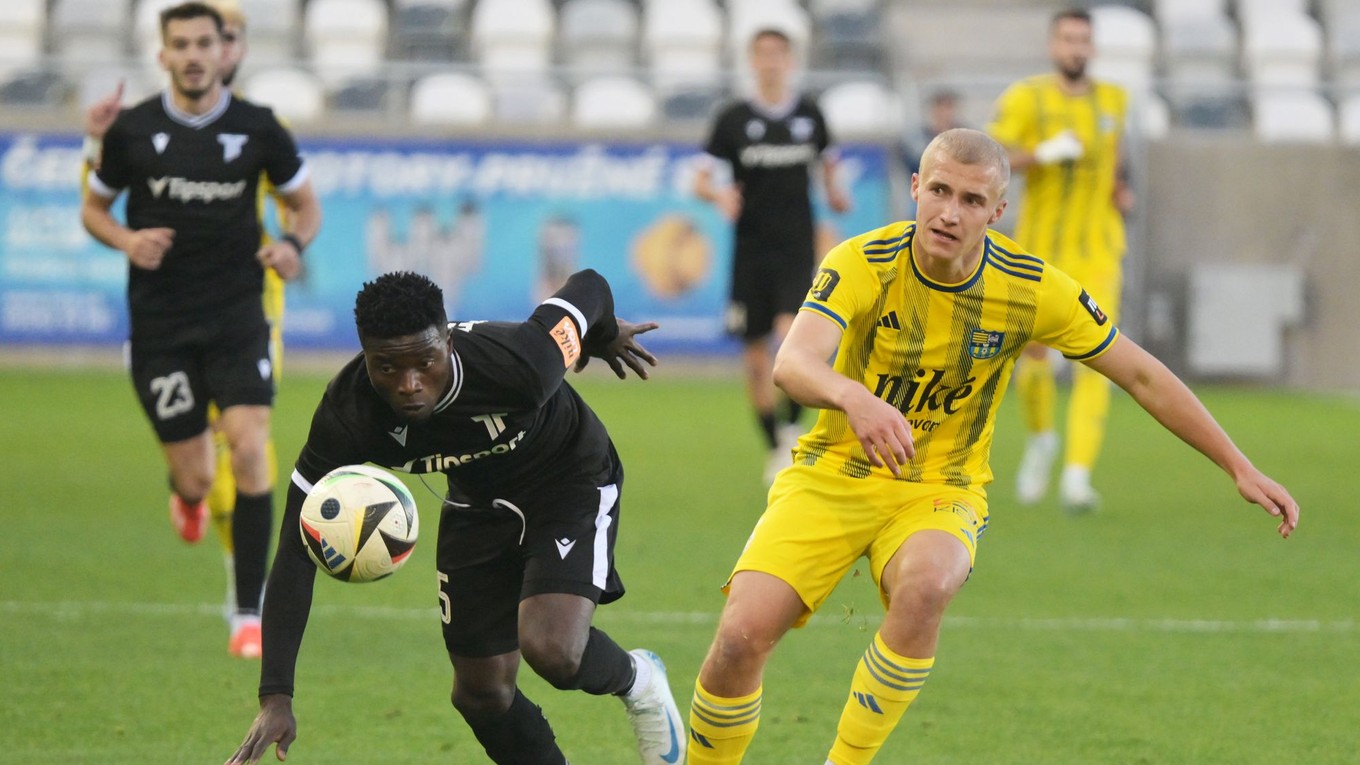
[(1171, 627)]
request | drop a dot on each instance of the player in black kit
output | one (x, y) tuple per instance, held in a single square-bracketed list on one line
[(526, 534), (770, 142), (191, 159)]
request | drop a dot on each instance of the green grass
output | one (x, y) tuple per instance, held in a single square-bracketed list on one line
[(1141, 634)]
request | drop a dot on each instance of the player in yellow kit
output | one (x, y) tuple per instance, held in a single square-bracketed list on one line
[(906, 343), (190, 520), (1064, 130)]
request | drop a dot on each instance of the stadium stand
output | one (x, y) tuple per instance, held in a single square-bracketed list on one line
[(613, 102), (599, 35), (450, 98), (295, 94)]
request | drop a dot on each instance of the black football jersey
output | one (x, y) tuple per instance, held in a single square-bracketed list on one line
[(198, 175), (771, 155)]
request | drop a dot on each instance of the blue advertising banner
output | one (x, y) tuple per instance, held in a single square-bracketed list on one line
[(497, 225)]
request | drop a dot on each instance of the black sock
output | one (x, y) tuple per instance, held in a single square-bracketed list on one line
[(520, 736), (605, 667), (795, 411), (767, 426), (250, 526)]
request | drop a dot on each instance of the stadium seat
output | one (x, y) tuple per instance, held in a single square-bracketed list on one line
[(272, 27), (1296, 116), (862, 109), (850, 40), (512, 37), (683, 40), (21, 34), (294, 94), (1166, 10), (345, 38), (1126, 46), (1348, 120), (97, 82), (362, 95), (1343, 46), (613, 102), (450, 98), (599, 34), (1281, 48), (746, 17), (1200, 48), (529, 100), (34, 88), (696, 105), (88, 32), (428, 31), (146, 34), (1152, 116)]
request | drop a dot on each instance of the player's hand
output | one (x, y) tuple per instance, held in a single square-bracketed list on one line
[(1063, 147), (146, 247), (273, 725), (882, 431), (729, 202), (625, 350), (838, 201), (1258, 488), (282, 257), (102, 113)]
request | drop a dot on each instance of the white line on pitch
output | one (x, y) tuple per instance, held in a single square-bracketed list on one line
[(75, 610)]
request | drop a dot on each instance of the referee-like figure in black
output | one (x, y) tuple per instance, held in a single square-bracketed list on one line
[(771, 141), (526, 534), (190, 160)]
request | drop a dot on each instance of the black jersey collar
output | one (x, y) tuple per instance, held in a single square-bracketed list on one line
[(457, 384), (195, 120)]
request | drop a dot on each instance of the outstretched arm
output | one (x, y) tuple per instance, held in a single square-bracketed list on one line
[(802, 370), (1171, 403)]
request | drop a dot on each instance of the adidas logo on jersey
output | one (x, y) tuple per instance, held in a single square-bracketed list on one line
[(889, 320)]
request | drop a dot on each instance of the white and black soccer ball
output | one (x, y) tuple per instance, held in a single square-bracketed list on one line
[(359, 523)]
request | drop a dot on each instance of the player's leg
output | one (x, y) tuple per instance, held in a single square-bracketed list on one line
[(920, 560), (221, 502), (1090, 401), (169, 385), (569, 548), (814, 529), (480, 573), (1037, 389), (246, 428)]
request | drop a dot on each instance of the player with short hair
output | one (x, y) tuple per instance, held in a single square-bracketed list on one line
[(527, 531), (1065, 130), (771, 142), (922, 321), (192, 159)]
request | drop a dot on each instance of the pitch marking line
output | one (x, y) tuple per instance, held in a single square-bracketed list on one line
[(74, 610)]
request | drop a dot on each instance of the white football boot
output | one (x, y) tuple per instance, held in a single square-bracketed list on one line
[(652, 712), (1031, 483)]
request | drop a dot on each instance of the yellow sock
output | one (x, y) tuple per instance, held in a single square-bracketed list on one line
[(1037, 388), (222, 495), (884, 686), (1086, 414), (720, 729)]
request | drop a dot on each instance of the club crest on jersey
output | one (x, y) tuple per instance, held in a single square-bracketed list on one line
[(984, 343), (800, 128), (231, 145), (755, 129), (825, 283), (159, 141), (1089, 304)]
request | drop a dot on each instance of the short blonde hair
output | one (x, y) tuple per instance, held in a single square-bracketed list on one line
[(972, 147), (231, 12)]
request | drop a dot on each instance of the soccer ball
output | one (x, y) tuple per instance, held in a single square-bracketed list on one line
[(359, 523)]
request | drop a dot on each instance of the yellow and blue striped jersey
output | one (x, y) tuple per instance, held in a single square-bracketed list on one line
[(1068, 211), (940, 353)]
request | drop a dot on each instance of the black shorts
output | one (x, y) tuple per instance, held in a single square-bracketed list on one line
[(763, 288), (557, 539), (225, 361)]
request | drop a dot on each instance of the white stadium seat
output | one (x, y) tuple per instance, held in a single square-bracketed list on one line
[(88, 32), (862, 109), (1299, 116), (450, 98), (683, 41), (1348, 120), (600, 34), (345, 37), (296, 95), (1283, 48), (513, 37), (613, 102), (1126, 46), (529, 100)]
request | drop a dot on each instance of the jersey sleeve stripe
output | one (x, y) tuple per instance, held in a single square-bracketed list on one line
[(1114, 331), (818, 307), (99, 187), (293, 184), (571, 309), (300, 482)]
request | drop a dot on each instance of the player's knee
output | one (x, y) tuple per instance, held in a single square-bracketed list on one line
[(554, 658), (192, 484), (478, 703), (927, 590), (742, 642)]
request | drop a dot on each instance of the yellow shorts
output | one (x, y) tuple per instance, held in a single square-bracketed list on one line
[(818, 524)]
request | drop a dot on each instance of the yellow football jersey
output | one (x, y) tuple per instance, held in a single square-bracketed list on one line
[(941, 353), (1068, 211)]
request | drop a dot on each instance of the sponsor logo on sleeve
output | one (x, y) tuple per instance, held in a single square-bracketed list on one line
[(1089, 304), (568, 341), (825, 283)]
